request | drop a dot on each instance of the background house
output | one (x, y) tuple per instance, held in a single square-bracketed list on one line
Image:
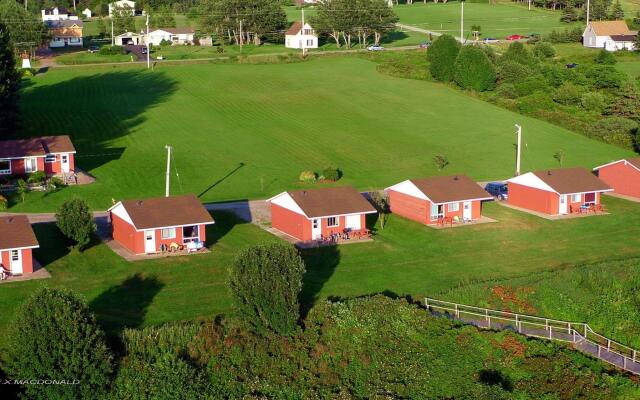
[(57, 14), (609, 35), (51, 154), (86, 13), (173, 35), (149, 225), (65, 33), (315, 213), (301, 35), (622, 175), (125, 4), (556, 191), (128, 38), (430, 200), (17, 241)]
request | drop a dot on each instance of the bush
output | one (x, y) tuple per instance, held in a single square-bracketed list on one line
[(626, 104), (165, 42), (265, 283), (530, 85), (76, 222), (593, 101), (512, 72), (54, 336), (544, 50), (473, 70), (517, 53), (54, 183), (534, 102), (567, 36), (28, 72), (308, 176), (616, 130), (605, 57), (22, 189), (568, 94), (507, 91), (331, 174), (111, 50), (554, 74), (605, 77), (442, 56), (37, 177), (4, 203)]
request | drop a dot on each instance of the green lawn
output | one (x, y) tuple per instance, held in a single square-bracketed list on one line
[(247, 131), (405, 258), (84, 57), (498, 21)]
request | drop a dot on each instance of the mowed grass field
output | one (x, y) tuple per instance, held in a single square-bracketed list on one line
[(247, 131), (405, 258), (499, 20)]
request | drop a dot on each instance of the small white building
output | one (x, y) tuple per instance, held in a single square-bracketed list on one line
[(128, 38), (87, 13), (301, 36), (57, 14), (173, 35), (127, 4), (608, 35)]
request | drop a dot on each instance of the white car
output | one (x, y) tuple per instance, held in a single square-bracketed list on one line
[(490, 40), (375, 48)]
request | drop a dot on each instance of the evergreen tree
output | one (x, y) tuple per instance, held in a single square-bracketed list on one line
[(442, 56), (598, 10), (473, 70), (569, 14), (617, 13), (9, 84)]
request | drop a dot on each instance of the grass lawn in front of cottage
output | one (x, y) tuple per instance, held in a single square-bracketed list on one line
[(405, 258), (247, 131)]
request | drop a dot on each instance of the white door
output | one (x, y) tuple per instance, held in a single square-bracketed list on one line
[(316, 230), (64, 162), (150, 241), (16, 262), (466, 211), (353, 222), (563, 204)]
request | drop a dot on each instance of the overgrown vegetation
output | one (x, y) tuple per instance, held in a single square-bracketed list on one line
[(75, 221)]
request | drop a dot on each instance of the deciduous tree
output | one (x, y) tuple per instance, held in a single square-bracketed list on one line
[(9, 84), (76, 222)]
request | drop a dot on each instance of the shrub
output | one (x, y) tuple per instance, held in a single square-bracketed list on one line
[(605, 77), (616, 130), (28, 72), (544, 50), (530, 85), (440, 161), (54, 183), (516, 52), (568, 94), (22, 189), (4, 203), (308, 176), (165, 42), (554, 74), (593, 101), (512, 72), (331, 174), (111, 50), (626, 104), (442, 56), (265, 282), (605, 57), (55, 336), (37, 177), (76, 222), (473, 70), (507, 91), (536, 101), (566, 36), (569, 14)]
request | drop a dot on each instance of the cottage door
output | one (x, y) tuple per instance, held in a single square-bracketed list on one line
[(563, 204), (150, 241), (64, 163), (16, 262), (316, 230), (466, 211)]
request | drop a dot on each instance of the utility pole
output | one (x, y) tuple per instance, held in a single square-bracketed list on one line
[(148, 50), (462, 22), (518, 148), (588, 7), (168, 176), (529, 5), (112, 39)]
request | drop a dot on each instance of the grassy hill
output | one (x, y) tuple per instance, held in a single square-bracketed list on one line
[(247, 131)]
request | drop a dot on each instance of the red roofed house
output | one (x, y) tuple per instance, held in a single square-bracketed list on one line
[(17, 241), (622, 175), (314, 214), (52, 154), (438, 199), (556, 191), (159, 224)]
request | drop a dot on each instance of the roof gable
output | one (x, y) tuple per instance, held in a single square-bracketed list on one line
[(608, 28), (564, 180), (633, 162), (163, 212), (16, 232), (447, 189), (325, 202)]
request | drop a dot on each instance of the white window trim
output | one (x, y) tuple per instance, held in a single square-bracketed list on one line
[(574, 196), (17, 255), (6, 171), (29, 159), (190, 238), (453, 207), (49, 160), (337, 219), (172, 234)]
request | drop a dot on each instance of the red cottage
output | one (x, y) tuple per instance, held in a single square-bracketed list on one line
[(17, 241), (52, 154), (438, 199), (318, 213), (622, 175), (556, 191), (155, 225)]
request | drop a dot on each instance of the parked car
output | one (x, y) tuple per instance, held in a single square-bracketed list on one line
[(375, 48), (426, 44), (489, 40), (498, 190), (93, 49), (516, 37), (144, 50)]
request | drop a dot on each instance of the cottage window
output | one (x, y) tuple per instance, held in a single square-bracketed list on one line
[(169, 233), (310, 42), (5, 167), (453, 207), (30, 164), (332, 222), (50, 158), (190, 234), (15, 255), (576, 198)]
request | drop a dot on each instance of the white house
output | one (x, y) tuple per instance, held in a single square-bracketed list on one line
[(608, 35), (128, 38), (131, 5), (65, 33), (301, 36), (87, 13), (173, 35), (57, 14)]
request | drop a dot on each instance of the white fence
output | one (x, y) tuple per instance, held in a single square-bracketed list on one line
[(579, 334)]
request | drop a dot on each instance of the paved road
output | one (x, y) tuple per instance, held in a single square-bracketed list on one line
[(427, 31)]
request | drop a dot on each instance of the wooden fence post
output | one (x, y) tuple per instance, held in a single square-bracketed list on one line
[(457, 311), (634, 356)]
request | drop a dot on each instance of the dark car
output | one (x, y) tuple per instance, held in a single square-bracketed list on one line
[(144, 50), (497, 189), (93, 49), (572, 65)]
